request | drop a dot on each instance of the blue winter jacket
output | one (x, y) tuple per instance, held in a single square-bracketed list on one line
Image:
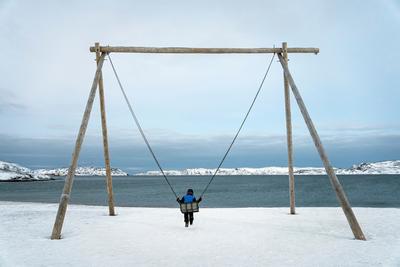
[(188, 199)]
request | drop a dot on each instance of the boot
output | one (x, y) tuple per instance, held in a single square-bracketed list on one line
[(186, 224)]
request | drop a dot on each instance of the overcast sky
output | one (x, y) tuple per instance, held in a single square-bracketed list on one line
[(191, 105)]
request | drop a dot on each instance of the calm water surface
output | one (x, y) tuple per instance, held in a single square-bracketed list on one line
[(226, 191)]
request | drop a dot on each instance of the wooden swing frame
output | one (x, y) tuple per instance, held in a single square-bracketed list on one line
[(282, 53)]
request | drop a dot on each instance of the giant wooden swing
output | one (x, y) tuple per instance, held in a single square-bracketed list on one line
[(102, 51)]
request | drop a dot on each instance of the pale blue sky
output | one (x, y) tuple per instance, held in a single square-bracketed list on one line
[(191, 105)]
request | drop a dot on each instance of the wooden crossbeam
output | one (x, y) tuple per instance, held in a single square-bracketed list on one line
[(191, 50)]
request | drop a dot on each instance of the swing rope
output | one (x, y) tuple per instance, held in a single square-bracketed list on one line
[(140, 127), (241, 126), (148, 144)]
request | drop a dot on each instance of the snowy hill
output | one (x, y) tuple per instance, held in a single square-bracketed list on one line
[(383, 167), (14, 172), (81, 171)]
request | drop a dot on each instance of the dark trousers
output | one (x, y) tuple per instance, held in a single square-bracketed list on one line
[(188, 217)]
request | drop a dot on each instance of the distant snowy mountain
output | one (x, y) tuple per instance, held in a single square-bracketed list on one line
[(384, 167), (81, 171), (15, 173)]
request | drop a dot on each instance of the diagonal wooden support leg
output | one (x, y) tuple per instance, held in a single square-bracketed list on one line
[(351, 218), (62, 208)]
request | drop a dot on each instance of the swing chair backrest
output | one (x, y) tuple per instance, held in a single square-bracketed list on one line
[(189, 207)]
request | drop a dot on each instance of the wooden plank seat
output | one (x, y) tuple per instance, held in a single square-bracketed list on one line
[(189, 207)]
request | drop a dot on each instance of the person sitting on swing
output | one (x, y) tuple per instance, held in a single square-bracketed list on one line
[(188, 198)]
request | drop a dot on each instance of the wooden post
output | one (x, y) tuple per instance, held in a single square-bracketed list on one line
[(62, 208), (111, 210), (289, 134), (351, 218)]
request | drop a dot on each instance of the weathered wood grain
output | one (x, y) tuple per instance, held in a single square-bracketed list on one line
[(351, 218), (191, 50), (111, 208), (289, 135), (56, 234)]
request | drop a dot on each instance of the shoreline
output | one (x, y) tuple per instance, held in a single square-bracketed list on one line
[(2, 202)]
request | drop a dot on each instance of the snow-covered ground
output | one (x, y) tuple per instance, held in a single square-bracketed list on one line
[(219, 237), (383, 167)]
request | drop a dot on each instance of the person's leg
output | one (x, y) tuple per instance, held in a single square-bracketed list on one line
[(186, 216), (191, 218)]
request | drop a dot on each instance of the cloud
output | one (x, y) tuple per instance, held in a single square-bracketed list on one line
[(177, 152), (9, 102), (190, 104), (6, 107)]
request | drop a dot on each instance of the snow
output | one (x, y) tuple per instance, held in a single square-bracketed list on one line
[(81, 171), (12, 167), (383, 167), (15, 172), (219, 237), (10, 176)]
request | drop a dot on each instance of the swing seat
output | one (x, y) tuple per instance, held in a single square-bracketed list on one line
[(189, 207)]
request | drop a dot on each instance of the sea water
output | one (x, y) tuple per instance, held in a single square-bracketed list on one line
[(225, 191)]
